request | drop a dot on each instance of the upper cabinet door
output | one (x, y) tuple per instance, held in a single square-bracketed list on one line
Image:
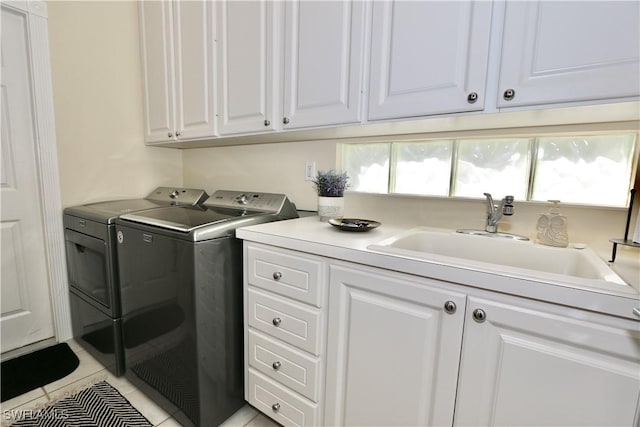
[(428, 57), (557, 52), (247, 66), (176, 39), (323, 60), (156, 43), (194, 75)]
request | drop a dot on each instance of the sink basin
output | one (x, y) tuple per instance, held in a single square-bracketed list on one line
[(504, 255)]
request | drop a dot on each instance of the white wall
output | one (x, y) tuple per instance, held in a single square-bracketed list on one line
[(97, 88)]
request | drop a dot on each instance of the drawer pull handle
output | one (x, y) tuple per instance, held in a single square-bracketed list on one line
[(276, 321), (275, 407), (636, 311), (277, 275), (276, 365)]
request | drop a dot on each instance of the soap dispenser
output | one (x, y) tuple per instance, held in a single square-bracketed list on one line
[(552, 227)]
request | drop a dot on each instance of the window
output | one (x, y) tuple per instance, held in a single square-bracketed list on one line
[(594, 169)]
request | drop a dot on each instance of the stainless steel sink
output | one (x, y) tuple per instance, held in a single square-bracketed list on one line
[(505, 255)]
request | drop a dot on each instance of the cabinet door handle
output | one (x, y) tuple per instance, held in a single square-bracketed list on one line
[(277, 275), (267, 122), (636, 311), (276, 321), (479, 315), (275, 407), (509, 94), (472, 98), (450, 307), (170, 135), (177, 133), (276, 365), (285, 120)]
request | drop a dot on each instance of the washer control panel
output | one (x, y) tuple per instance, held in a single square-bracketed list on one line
[(265, 202)]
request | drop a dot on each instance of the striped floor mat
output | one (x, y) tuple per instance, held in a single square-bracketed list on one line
[(97, 406)]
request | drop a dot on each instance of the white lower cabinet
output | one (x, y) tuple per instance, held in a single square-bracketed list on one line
[(284, 309), (364, 346), (533, 365), (279, 403), (393, 349)]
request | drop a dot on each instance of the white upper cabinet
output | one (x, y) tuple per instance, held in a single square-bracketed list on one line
[(248, 66), (428, 57), (284, 65), (323, 60), (177, 64), (555, 52)]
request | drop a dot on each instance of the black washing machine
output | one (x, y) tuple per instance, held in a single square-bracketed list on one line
[(181, 283)]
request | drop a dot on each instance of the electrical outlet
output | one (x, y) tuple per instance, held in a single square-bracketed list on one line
[(309, 170)]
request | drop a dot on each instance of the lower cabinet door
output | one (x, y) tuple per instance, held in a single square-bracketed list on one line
[(392, 349), (524, 365), (284, 406)]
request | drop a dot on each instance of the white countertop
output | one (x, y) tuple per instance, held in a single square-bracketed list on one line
[(320, 238)]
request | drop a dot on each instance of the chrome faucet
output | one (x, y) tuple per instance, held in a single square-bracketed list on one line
[(495, 212)]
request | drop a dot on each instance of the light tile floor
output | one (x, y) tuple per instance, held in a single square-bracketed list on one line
[(91, 371)]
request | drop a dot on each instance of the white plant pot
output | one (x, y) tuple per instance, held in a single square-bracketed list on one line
[(330, 207)]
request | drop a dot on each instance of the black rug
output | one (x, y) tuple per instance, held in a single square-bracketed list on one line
[(97, 406), (33, 370)]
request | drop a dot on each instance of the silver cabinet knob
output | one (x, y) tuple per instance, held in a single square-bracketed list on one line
[(509, 94), (450, 307), (276, 321), (275, 407), (479, 315), (636, 311), (277, 275), (267, 122), (285, 120), (276, 365), (177, 133), (472, 98), (170, 135)]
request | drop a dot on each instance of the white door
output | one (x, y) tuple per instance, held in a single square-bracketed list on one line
[(392, 350), (194, 75), (323, 57), (428, 57), (562, 51), (248, 66), (156, 41), (525, 366), (25, 301)]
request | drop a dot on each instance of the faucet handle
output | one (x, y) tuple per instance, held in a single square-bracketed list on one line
[(508, 199)]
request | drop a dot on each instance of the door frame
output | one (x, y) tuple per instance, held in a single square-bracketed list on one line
[(47, 162)]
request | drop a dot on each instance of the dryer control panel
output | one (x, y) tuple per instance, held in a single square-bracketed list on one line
[(178, 196)]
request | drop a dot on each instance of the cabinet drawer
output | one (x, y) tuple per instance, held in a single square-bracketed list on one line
[(285, 273), (282, 363), (282, 405), (291, 322)]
